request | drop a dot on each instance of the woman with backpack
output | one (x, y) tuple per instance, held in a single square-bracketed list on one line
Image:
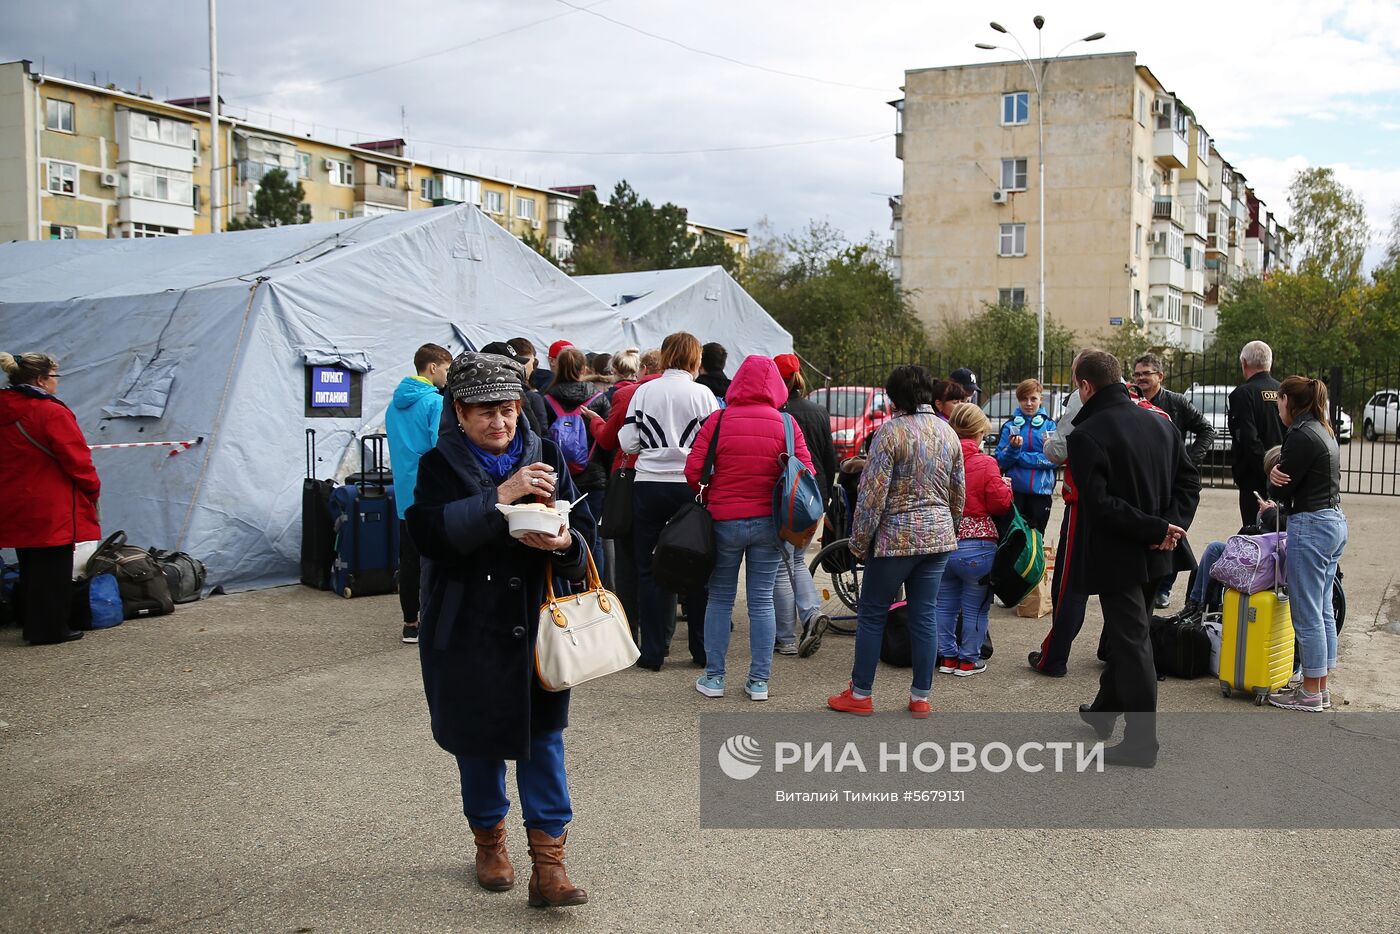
[(663, 416), (905, 527), (578, 408), (51, 490), (962, 590), (749, 437)]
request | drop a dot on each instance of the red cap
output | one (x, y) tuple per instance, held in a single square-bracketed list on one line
[(788, 364), (557, 346)]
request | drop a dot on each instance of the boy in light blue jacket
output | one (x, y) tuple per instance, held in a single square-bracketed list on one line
[(1021, 455), (412, 426)]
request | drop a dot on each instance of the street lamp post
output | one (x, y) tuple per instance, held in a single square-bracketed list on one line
[(1038, 77)]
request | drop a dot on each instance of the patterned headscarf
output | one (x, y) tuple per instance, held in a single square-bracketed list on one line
[(485, 377)]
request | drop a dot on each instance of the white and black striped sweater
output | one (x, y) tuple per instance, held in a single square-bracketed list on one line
[(663, 417)]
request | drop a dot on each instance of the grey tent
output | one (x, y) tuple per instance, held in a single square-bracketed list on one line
[(247, 339), (704, 300)]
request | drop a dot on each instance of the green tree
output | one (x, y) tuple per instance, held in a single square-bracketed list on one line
[(279, 202), (1328, 223), (713, 251), (627, 233), (1002, 340), (1309, 322)]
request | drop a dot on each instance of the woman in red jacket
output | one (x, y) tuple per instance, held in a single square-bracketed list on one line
[(988, 495), (750, 436), (50, 489)]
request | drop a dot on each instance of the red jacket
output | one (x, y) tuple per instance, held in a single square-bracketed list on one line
[(750, 440), (606, 435), (987, 493), (50, 499)]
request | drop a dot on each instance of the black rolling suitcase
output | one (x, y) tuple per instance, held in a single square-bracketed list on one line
[(366, 524), (317, 528)]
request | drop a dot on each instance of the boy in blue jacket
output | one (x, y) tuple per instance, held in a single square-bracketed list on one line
[(1021, 454), (412, 426)]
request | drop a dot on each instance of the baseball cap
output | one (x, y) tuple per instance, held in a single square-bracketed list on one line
[(557, 346), (967, 378), (788, 364)]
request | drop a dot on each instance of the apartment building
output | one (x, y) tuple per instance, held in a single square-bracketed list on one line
[(1145, 220), (82, 161)]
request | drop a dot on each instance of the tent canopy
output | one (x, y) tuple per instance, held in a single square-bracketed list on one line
[(229, 338)]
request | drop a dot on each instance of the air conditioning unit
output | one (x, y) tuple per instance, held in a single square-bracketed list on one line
[(110, 179), (534, 225), (328, 164), (1001, 196), (196, 160)]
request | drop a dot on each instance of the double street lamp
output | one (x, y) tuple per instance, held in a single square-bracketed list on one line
[(1038, 77)]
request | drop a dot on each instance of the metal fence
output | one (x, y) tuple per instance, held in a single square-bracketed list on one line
[(1365, 400)]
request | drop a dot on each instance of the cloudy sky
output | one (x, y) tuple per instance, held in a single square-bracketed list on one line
[(739, 111)]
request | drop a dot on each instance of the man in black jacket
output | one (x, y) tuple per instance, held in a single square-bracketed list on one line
[(1147, 376), (1255, 425), (713, 356), (1133, 513)]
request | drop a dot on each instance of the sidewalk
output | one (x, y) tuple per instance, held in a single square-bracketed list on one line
[(262, 762)]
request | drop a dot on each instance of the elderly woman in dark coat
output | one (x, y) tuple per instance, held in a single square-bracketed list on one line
[(482, 592)]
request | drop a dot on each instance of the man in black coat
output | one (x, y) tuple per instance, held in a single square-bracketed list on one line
[(1255, 426), (1134, 509)]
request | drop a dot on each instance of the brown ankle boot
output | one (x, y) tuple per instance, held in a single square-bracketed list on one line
[(493, 869), (549, 884)]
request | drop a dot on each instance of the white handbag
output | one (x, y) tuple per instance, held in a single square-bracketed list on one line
[(582, 636)]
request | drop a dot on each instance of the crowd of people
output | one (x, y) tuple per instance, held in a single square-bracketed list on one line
[(626, 437)]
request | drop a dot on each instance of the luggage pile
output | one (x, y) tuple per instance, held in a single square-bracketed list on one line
[(350, 532)]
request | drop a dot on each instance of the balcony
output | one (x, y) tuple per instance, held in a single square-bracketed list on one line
[(1166, 208), (1170, 149), (1165, 271), (394, 197)]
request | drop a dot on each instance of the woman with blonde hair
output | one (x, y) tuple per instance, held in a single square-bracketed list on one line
[(1307, 484), (50, 488), (962, 590)]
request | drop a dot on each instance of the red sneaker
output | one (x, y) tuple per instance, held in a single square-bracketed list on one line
[(918, 708), (846, 702), (966, 668), (947, 665)]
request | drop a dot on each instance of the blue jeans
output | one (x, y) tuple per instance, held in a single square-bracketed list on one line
[(960, 592), (736, 540), (920, 576), (541, 781), (1315, 544), (1204, 585), (794, 592)]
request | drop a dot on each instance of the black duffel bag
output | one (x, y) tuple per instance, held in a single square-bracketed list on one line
[(685, 551), (144, 589), (1179, 650), (185, 575)]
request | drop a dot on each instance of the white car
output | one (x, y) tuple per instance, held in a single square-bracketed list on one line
[(1379, 417), (1213, 402)]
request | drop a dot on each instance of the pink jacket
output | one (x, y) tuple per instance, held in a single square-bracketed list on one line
[(746, 463)]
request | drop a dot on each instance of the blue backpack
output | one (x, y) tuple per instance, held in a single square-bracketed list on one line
[(570, 432), (797, 499)]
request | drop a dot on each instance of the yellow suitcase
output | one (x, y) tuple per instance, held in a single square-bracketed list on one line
[(1256, 643)]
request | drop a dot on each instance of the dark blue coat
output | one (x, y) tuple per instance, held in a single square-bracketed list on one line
[(481, 595)]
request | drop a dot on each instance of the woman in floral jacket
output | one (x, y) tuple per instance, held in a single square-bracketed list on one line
[(906, 525)]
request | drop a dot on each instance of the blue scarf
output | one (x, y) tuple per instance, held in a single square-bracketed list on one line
[(499, 466)]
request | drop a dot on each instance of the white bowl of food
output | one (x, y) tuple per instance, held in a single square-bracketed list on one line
[(546, 518)]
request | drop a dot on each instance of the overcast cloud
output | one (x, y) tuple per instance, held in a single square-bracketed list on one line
[(1280, 84)]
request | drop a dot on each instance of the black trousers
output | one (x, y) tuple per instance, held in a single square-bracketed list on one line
[(45, 591), (1249, 506), (653, 504), (1034, 508), (1129, 680), (626, 581), (410, 574), (1067, 617)]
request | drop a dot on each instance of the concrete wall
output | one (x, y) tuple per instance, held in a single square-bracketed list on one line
[(16, 153)]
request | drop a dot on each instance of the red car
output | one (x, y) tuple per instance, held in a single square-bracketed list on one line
[(856, 411)]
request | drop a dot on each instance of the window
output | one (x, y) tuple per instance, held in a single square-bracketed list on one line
[(1137, 241), (429, 189), (525, 208), (1013, 174), (1186, 257), (342, 173), (1137, 305), (58, 115), (1014, 298), (1202, 145), (1142, 107), (304, 164), (455, 188), (341, 215), (143, 231), (156, 183), (385, 176), (493, 202), (194, 139), (194, 197), (1013, 240), (1141, 176), (1015, 108), (63, 178), (59, 232), (160, 130)]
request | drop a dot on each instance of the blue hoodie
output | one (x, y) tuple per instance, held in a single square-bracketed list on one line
[(1030, 470), (412, 426)]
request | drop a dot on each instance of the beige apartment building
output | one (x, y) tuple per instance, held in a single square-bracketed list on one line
[(1145, 220), (82, 161)]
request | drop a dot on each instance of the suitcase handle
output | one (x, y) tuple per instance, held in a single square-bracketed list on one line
[(373, 442), (310, 453)]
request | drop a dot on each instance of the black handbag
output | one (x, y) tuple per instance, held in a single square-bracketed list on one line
[(616, 520), (685, 551)]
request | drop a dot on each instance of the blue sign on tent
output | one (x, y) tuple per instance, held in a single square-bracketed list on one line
[(330, 387)]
